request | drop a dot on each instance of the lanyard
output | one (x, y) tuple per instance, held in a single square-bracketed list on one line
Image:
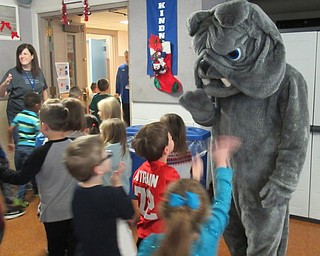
[(32, 82)]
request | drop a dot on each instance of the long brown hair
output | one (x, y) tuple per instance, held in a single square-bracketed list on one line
[(177, 129), (182, 222), (35, 68)]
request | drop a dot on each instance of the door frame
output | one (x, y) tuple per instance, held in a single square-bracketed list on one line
[(46, 46)]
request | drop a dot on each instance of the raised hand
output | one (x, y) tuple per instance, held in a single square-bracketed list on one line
[(222, 149), (116, 176), (197, 167)]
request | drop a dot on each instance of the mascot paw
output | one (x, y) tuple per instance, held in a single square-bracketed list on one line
[(199, 105), (274, 195)]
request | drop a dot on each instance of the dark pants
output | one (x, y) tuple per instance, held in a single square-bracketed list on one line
[(60, 237), (139, 242), (126, 113)]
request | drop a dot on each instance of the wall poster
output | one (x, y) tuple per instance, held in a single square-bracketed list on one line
[(9, 22)]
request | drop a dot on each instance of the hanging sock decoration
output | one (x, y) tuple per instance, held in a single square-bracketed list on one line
[(161, 57)]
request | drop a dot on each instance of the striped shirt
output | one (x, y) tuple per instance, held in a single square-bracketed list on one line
[(28, 125)]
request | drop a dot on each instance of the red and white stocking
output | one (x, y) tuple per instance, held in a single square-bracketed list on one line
[(161, 65)]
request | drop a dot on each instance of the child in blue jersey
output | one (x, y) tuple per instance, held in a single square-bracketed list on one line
[(27, 124), (191, 228)]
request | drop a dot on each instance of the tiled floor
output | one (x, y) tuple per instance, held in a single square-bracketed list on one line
[(25, 236)]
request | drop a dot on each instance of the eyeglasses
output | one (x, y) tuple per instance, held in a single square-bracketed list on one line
[(109, 155)]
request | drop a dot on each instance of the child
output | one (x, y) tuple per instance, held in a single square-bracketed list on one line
[(103, 85), (180, 158), (96, 207), (12, 211), (92, 124), (40, 138), (2, 224), (154, 143), (191, 228), (94, 90), (76, 122), (76, 93), (56, 185), (113, 134), (109, 108), (27, 124)]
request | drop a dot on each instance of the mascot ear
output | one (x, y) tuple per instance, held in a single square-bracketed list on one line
[(195, 19), (232, 14)]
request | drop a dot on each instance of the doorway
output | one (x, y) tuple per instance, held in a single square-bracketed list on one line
[(105, 32)]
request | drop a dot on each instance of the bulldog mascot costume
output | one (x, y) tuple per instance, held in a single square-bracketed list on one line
[(246, 89)]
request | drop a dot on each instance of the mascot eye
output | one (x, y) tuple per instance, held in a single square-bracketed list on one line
[(235, 55)]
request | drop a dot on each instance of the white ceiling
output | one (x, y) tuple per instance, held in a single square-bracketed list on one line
[(108, 19)]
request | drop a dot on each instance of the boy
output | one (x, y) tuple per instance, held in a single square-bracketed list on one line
[(55, 184), (103, 85), (154, 143), (27, 124), (76, 92), (96, 207), (13, 211)]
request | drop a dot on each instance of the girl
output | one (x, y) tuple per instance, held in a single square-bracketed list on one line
[(109, 108), (191, 228), (92, 124), (76, 122), (113, 134), (180, 158)]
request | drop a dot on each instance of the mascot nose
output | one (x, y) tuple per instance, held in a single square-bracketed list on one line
[(204, 66)]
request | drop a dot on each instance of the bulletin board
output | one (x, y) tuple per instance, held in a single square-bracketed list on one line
[(9, 22)]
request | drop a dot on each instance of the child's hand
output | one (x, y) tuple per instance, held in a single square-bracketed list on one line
[(116, 176), (223, 147), (197, 167)]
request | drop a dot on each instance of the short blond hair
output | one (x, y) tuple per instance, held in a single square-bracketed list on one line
[(82, 155)]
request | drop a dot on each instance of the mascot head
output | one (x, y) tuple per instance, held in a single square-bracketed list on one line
[(240, 50)]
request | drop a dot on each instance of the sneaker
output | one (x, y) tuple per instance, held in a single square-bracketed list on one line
[(20, 202), (14, 212)]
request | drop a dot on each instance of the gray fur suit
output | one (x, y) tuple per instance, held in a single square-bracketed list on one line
[(246, 89)]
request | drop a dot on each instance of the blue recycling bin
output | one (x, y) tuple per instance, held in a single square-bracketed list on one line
[(198, 141)]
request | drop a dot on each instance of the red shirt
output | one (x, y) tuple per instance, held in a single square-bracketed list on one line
[(149, 183)]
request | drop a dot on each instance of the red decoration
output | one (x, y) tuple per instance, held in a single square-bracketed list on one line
[(5, 24), (8, 26), (155, 43), (64, 18), (14, 34), (86, 10)]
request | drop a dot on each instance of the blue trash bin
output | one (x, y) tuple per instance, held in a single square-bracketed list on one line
[(198, 141)]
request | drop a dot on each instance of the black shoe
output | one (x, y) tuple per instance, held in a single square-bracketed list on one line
[(14, 212)]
